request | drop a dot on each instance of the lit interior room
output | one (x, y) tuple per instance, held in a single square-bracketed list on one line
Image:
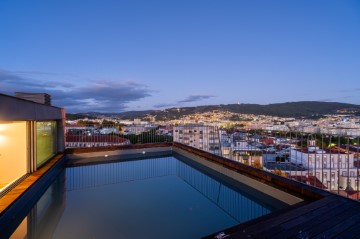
[(13, 152)]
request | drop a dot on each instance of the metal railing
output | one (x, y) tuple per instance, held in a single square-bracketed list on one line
[(100, 135), (329, 162)]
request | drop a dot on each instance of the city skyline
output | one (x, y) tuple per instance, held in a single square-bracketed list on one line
[(137, 55)]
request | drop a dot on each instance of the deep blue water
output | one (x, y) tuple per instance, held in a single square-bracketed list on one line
[(150, 198)]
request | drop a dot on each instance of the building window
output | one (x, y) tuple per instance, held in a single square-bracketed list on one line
[(45, 141), (332, 176), (13, 152)]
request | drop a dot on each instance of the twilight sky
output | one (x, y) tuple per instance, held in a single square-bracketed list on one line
[(114, 56)]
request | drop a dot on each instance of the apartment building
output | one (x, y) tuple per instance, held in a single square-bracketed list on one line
[(247, 153), (199, 136), (335, 169), (138, 128)]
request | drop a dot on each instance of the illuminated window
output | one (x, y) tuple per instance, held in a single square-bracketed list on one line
[(45, 141), (13, 152)]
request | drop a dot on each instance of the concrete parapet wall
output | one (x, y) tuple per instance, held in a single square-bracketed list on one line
[(290, 186)]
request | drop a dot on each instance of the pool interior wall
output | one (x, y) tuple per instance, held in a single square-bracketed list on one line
[(234, 177)]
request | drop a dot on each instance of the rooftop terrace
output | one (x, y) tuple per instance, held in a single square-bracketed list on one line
[(321, 214)]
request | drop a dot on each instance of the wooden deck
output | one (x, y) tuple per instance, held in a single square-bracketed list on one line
[(8, 199), (330, 217)]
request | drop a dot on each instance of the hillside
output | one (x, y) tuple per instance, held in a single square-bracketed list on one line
[(288, 109)]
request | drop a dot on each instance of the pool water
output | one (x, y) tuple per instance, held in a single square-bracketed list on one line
[(157, 198)]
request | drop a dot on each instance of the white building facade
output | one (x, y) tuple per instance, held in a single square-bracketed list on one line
[(334, 169), (198, 136)]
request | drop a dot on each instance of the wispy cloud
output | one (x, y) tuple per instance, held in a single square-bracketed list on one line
[(326, 100), (193, 98), (109, 95), (163, 105), (34, 73), (103, 96), (350, 90), (24, 80)]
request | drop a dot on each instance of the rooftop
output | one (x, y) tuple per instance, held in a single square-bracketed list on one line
[(333, 215)]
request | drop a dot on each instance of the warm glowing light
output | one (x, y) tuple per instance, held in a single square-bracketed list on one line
[(2, 129)]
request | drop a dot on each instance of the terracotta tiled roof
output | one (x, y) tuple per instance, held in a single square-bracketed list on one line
[(95, 138)]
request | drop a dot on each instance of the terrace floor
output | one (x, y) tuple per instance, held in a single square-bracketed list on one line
[(329, 217)]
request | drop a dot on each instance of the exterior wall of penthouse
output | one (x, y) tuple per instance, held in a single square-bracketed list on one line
[(30, 134), (12, 108)]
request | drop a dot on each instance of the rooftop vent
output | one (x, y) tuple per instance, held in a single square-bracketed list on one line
[(41, 98)]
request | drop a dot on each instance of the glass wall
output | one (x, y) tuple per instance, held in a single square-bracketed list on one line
[(45, 141), (13, 152)]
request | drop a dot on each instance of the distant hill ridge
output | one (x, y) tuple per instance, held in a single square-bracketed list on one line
[(288, 109)]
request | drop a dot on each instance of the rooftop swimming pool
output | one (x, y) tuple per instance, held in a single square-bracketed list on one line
[(156, 197)]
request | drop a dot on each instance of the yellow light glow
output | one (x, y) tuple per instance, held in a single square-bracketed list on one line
[(2, 131), (2, 127)]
